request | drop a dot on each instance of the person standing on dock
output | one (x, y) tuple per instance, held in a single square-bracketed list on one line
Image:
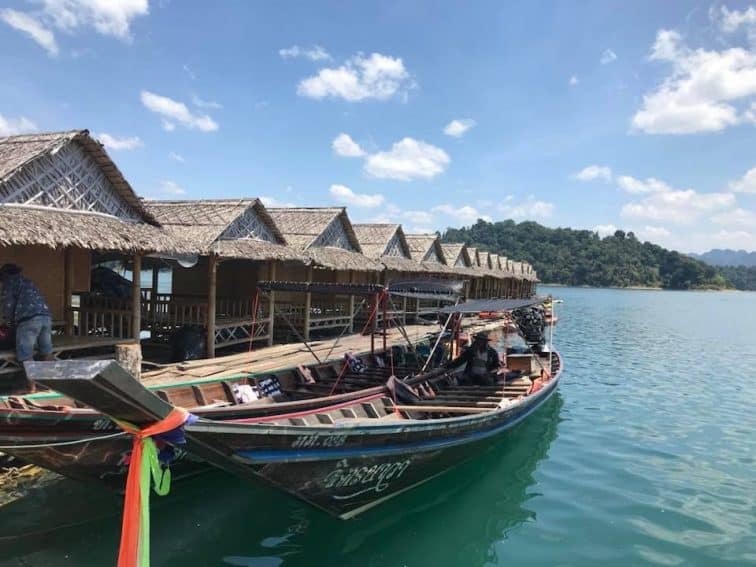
[(481, 360), (24, 307)]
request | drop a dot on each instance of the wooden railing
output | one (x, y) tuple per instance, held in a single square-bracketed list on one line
[(97, 316)]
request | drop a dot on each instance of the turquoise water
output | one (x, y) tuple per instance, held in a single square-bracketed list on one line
[(646, 456)]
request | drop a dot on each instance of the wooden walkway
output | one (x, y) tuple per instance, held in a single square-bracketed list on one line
[(266, 359)]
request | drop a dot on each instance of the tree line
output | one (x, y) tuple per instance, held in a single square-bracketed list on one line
[(581, 257)]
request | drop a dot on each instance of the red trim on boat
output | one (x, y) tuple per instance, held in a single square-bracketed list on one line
[(324, 409)]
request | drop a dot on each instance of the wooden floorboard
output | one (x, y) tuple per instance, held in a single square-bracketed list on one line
[(266, 359)]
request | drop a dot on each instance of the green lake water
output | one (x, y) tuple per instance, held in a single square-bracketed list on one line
[(646, 456)]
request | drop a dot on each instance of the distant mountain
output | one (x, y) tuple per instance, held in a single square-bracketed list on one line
[(727, 257), (581, 257)]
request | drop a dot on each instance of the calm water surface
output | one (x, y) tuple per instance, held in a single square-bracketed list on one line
[(646, 456)]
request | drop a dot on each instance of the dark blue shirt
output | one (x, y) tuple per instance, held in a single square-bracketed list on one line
[(22, 300)]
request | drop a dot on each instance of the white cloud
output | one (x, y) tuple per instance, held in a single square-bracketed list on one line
[(678, 206), (698, 94), (736, 217), (608, 56), (604, 229), (114, 143), (636, 186), (417, 229), (408, 159), (199, 103), (107, 17), (314, 53), (530, 209), (171, 187), (465, 214), (344, 146), (173, 111), (176, 157), (418, 217), (344, 194), (574, 80), (653, 232), (360, 78), (746, 184), (731, 21), (593, 172), (458, 128), (14, 127), (32, 27), (275, 203)]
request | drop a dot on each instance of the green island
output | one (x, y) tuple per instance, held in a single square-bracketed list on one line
[(567, 256)]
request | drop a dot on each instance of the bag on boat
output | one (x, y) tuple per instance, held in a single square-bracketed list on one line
[(355, 364)]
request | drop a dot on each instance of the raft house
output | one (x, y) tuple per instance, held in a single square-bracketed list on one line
[(65, 208), (68, 215)]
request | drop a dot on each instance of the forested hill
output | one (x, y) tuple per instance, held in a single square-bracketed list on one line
[(581, 257)]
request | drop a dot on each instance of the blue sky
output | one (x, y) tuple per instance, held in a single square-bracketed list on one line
[(635, 115)]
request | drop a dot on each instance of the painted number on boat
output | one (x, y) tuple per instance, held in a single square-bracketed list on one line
[(315, 440)]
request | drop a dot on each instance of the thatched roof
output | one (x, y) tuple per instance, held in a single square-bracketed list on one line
[(421, 244), (18, 152), (302, 226), (210, 225), (472, 252), (340, 259), (26, 226), (325, 235), (81, 200), (375, 238)]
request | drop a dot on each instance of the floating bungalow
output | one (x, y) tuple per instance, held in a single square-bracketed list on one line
[(65, 206), (239, 245), (68, 216), (326, 237)]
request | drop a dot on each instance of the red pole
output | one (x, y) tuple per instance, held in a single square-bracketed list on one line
[(385, 320)]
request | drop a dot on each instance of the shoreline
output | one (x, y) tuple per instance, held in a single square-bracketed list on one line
[(643, 288)]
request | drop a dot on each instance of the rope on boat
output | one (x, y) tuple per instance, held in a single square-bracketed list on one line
[(63, 443)]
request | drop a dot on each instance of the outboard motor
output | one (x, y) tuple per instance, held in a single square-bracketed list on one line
[(188, 343), (531, 322)]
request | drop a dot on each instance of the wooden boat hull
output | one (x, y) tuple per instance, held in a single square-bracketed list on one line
[(343, 459), (86, 445), (347, 470)]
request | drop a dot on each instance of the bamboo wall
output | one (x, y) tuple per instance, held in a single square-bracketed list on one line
[(47, 269)]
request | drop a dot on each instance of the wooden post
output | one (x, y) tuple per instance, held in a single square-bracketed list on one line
[(153, 293), (212, 286), (130, 357), (68, 291), (351, 304), (308, 306), (136, 297), (271, 301)]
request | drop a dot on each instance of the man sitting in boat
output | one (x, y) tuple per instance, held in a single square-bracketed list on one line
[(481, 360)]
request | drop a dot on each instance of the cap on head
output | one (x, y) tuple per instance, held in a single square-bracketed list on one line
[(481, 336), (9, 270)]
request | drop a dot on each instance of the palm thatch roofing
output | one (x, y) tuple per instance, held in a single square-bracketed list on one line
[(421, 245), (375, 240), (62, 189), (325, 235), (230, 228), (472, 252)]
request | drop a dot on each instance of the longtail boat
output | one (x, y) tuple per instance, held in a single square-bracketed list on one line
[(57, 433), (60, 434), (345, 458)]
